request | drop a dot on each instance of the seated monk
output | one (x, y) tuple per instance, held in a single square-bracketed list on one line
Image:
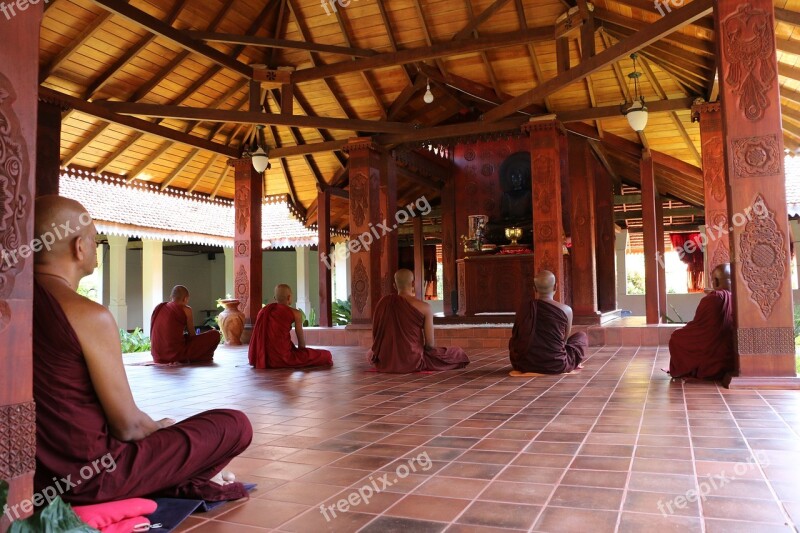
[(703, 348), (402, 334), (172, 335), (541, 340), (84, 406), (271, 345)]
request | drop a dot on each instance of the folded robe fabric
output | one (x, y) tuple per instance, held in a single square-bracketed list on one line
[(117, 517)]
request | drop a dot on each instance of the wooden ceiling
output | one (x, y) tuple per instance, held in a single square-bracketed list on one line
[(160, 89)]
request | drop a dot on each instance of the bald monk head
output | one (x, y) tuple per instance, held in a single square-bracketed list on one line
[(721, 277), (283, 294), (404, 281), (179, 294), (545, 283), (64, 243)]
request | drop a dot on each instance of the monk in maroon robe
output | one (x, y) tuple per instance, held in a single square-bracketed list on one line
[(402, 334), (542, 341), (172, 335), (85, 412), (703, 348), (271, 345)]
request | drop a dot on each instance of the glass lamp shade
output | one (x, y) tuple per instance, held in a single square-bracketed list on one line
[(260, 160), (637, 116), (428, 98)]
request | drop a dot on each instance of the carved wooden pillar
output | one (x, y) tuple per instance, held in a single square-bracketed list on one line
[(661, 265), (650, 237), (715, 194), (48, 147), (247, 260), (548, 234), (604, 238), (449, 244), (365, 261), (753, 148), (388, 243), (326, 261), (582, 204), (19, 61), (419, 258)]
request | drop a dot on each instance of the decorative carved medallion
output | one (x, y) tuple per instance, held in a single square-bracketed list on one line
[(487, 169), (242, 290), (242, 209), (719, 219), (360, 286), (547, 262), (749, 46), (545, 232), (242, 248), (15, 198), (17, 439), (763, 258), (713, 168), (504, 151), (358, 198), (767, 341), (756, 156), (469, 155)]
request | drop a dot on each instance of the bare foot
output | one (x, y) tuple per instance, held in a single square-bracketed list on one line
[(224, 478)]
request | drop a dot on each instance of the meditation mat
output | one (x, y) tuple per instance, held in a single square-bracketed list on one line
[(172, 512), (518, 374)]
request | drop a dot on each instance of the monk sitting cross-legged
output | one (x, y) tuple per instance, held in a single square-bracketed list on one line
[(542, 341), (169, 343), (271, 345), (703, 348), (84, 406), (402, 333)]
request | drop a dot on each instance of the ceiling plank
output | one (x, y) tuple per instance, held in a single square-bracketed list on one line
[(180, 168), (670, 23), (203, 173), (66, 52), (141, 167), (220, 181)]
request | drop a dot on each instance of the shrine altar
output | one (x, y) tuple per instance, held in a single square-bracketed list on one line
[(495, 283)]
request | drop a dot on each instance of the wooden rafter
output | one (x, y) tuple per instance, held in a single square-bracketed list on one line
[(94, 134), (615, 20), (269, 42), (141, 167), (670, 23), (203, 173), (287, 176), (474, 22), (180, 168), (178, 37), (487, 64), (487, 42), (220, 181), (537, 68), (66, 52)]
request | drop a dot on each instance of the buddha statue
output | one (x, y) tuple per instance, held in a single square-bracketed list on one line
[(516, 204)]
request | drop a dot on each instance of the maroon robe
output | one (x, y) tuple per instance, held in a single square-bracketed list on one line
[(271, 345), (398, 343), (539, 340), (703, 348), (169, 344), (72, 431)]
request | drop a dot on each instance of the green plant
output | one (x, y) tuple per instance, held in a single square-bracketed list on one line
[(57, 516), (134, 342), (341, 312), (635, 283)]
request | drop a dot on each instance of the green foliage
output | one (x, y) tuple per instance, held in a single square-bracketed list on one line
[(3, 493), (341, 312), (796, 320), (134, 342), (58, 517), (88, 292), (635, 283)]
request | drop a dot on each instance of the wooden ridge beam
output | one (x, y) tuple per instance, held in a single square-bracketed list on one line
[(269, 42), (178, 37), (487, 42), (247, 117), (103, 113), (613, 111), (670, 23)]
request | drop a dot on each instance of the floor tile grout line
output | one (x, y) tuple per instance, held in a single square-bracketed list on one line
[(625, 488), (756, 462)]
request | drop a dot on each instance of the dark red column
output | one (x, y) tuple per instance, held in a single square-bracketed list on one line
[(324, 247), (650, 237), (48, 147)]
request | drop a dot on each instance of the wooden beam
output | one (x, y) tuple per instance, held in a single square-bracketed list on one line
[(486, 42), (419, 257), (143, 126), (537, 69), (700, 45), (480, 19), (787, 16), (613, 111), (178, 37), (673, 212), (268, 42), (324, 247), (246, 117), (670, 23)]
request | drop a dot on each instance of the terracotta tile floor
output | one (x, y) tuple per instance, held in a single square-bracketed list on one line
[(616, 447)]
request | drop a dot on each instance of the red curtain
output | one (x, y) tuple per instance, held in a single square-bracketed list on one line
[(694, 260)]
